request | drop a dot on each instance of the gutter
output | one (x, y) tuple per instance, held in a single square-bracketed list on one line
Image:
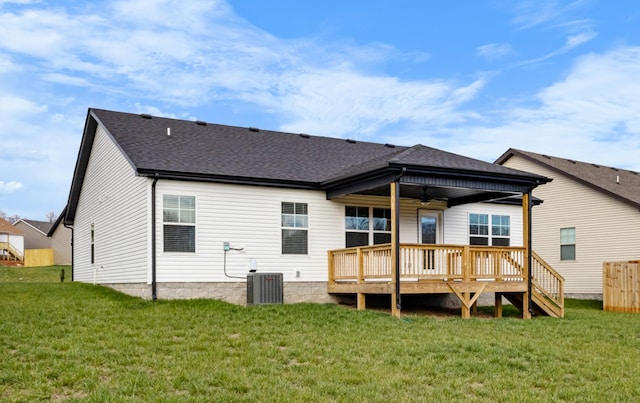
[(154, 295)]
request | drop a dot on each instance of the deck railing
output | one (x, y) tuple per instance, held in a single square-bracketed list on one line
[(458, 263), (428, 262)]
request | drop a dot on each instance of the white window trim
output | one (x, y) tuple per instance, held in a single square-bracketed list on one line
[(194, 224), (489, 235), (370, 231), (307, 229)]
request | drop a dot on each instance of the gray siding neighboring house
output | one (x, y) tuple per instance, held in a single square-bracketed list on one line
[(590, 215), (153, 200), (35, 233)]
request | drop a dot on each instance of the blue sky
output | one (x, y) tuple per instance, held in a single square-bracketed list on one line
[(470, 77)]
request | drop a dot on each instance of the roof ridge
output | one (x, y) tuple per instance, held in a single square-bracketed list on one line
[(574, 161), (620, 183)]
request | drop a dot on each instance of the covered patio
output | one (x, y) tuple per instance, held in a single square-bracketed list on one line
[(467, 271)]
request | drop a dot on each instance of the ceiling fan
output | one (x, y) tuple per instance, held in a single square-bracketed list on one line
[(425, 199)]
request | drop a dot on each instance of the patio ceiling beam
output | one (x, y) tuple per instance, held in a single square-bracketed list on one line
[(478, 197)]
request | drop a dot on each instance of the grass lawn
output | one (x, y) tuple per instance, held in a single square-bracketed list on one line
[(79, 342)]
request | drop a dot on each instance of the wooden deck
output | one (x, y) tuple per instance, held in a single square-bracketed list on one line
[(466, 271)]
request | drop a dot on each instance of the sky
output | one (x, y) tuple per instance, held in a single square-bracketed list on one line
[(470, 77)]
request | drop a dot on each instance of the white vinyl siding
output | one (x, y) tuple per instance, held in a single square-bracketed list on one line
[(249, 218), (456, 222), (607, 229), (115, 200)]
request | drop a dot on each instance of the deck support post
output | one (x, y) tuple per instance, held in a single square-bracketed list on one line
[(395, 248), (526, 221), (466, 309), (498, 305), (361, 301)]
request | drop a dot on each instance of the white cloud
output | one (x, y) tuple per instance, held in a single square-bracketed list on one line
[(577, 40), (591, 115), (494, 51), (10, 187), (533, 13)]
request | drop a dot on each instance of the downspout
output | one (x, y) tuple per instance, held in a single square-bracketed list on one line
[(71, 228), (529, 250), (396, 224), (154, 295)]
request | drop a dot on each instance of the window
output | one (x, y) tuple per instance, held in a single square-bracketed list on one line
[(500, 230), (360, 232), (381, 225), (295, 224), (93, 245), (356, 223), (479, 230), (179, 218), (568, 243)]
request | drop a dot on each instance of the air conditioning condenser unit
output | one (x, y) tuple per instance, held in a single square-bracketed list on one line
[(264, 288)]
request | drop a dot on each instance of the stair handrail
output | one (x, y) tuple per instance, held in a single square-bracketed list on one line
[(554, 295)]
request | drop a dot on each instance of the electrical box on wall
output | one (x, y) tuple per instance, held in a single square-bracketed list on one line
[(264, 288)]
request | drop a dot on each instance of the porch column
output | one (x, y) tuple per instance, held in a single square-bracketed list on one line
[(526, 237), (395, 248)]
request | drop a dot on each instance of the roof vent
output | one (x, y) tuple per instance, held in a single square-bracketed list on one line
[(201, 123), (350, 141), (596, 165), (145, 116), (571, 161), (254, 129), (615, 169), (304, 136), (390, 145), (546, 156)]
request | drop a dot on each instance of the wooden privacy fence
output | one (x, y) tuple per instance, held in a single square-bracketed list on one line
[(621, 286), (38, 257)]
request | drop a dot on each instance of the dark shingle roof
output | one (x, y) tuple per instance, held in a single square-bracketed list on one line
[(233, 151), (619, 183), (42, 226), (226, 151)]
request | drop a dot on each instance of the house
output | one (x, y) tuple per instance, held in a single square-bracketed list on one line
[(590, 215), (61, 237), (11, 244), (166, 208), (35, 233)]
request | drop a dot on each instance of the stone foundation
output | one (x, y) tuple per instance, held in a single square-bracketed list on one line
[(235, 293), (597, 297)]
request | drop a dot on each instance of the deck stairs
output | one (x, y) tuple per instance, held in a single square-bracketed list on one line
[(10, 255), (547, 296)]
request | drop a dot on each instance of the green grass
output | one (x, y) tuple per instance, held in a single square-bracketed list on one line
[(78, 342)]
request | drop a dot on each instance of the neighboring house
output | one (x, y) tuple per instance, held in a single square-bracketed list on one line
[(590, 215), (35, 233), (165, 208), (60, 241), (11, 243)]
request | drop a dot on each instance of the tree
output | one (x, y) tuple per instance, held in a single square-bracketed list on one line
[(51, 216), (3, 215)]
